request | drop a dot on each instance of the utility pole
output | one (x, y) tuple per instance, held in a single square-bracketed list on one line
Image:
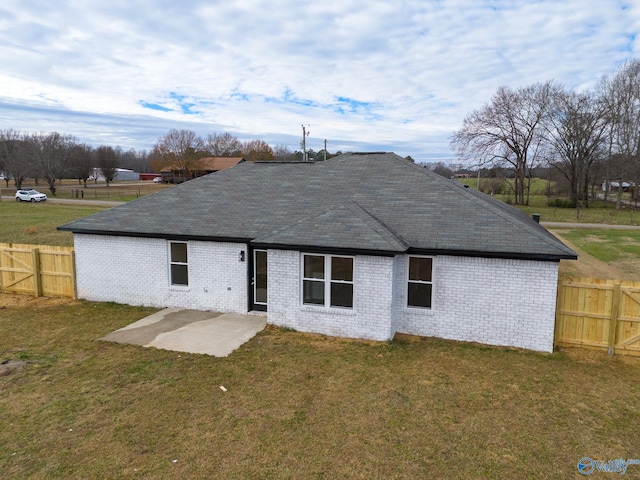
[(325, 149), (304, 143)]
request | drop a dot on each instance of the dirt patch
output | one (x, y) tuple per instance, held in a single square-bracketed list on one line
[(11, 366), (595, 239), (8, 300)]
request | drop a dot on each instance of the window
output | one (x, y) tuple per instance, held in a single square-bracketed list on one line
[(420, 283), (178, 263), (327, 281)]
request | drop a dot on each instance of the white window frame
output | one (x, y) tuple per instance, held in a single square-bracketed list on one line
[(171, 263), (420, 282), (327, 280)]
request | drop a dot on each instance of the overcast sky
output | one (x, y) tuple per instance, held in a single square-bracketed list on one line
[(364, 75)]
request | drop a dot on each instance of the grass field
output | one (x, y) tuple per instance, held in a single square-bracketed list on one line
[(607, 245), (299, 405), (602, 253), (296, 405), (36, 223)]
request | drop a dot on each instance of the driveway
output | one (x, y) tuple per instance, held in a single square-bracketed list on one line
[(191, 331)]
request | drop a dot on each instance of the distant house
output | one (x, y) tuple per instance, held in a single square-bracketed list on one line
[(361, 245), (199, 168), (122, 174), (615, 186)]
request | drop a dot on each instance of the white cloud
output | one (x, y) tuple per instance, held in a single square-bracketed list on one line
[(378, 75)]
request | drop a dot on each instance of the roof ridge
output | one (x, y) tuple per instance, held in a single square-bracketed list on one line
[(365, 215), (389, 237), (496, 207), (519, 219)]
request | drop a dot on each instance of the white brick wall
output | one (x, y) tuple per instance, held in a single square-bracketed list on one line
[(492, 301), (135, 271), (370, 317)]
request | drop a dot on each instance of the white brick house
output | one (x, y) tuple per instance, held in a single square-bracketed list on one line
[(362, 246)]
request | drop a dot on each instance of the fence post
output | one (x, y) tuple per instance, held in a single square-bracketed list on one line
[(559, 306), (37, 285), (613, 323), (74, 282)]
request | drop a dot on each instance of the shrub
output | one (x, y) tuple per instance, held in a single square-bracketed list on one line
[(562, 203)]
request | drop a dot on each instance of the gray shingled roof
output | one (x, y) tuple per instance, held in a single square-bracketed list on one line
[(375, 203)]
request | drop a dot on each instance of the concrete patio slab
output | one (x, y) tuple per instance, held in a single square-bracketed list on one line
[(192, 331)]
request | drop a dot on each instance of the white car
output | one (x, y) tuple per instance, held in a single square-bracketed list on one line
[(157, 180), (30, 196)]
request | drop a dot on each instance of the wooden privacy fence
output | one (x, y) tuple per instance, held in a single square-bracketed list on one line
[(590, 313), (39, 270), (598, 314)]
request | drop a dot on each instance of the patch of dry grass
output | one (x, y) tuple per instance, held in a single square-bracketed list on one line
[(299, 405)]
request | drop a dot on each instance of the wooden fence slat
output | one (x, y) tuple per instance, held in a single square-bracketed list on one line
[(613, 322), (37, 284)]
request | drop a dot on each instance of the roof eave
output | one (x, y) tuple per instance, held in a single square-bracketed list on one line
[(164, 236), (541, 257), (327, 249)]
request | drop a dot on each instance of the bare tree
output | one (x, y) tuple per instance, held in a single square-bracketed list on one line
[(180, 149), (81, 163), (507, 130), (107, 162), (130, 159), (577, 131), (622, 96), (257, 150), (13, 157), (223, 145), (441, 169), (282, 154), (50, 155)]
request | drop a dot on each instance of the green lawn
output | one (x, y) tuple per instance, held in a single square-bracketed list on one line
[(300, 406), (606, 245), (36, 223)]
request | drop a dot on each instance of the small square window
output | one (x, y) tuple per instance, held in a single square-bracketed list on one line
[(420, 269), (342, 295), (314, 266), (420, 295), (178, 252), (342, 269), (313, 292)]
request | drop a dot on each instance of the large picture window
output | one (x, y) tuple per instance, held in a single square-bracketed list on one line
[(420, 283), (327, 281), (179, 266)]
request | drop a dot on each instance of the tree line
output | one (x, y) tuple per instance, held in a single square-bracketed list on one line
[(181, 150), (53, 156), (589, 137)]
